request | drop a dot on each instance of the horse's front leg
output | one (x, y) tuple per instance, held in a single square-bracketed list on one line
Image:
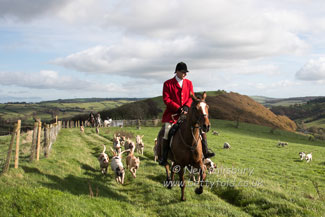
[(168, 182), (172, 176), (182, 183), (202, 177)]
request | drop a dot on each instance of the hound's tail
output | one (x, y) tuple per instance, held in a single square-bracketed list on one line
[(120, 154), (104, 148)]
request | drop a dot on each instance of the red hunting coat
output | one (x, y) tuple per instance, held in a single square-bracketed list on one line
[(175, 97)]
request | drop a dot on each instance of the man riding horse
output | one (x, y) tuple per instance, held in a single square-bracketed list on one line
[(91, 119), (176, 96)]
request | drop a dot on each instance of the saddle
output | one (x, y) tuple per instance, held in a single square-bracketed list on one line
[(174, 129)]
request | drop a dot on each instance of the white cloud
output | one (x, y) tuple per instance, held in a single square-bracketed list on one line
[(132, 58), (47, 79), (313, 70), (274, 85), (224, 42), (158, 34)]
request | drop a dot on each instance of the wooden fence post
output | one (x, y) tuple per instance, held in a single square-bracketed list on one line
[(138, 124), (38, 139), (17, 143), (46, 140), (7, 164), (55, 130), (59, 125), (51, 136), (33, 148)]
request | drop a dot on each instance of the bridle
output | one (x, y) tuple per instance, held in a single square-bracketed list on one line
[(197, 124)]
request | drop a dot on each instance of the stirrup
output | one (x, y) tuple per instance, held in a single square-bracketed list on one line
[(209, 155)]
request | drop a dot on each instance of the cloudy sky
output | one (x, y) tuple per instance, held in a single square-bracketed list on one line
[(127, 48)]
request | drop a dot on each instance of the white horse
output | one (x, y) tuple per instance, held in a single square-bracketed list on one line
[(107, 122)]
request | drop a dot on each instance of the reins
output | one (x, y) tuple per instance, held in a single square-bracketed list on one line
[(196, 140), (192, 147)]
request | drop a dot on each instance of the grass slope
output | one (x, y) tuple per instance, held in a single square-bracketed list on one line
[(254, 178), (63, 109), (46, 111)]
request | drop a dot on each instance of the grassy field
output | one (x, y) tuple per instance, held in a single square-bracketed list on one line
[(269, 102), (320, 123), (47, 111), (254, 178)]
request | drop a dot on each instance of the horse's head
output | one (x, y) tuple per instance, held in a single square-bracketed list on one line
[(200, 110)]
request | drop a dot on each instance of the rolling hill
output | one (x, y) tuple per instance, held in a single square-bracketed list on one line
[(270, 102), (237, 107), (222, 105), (310, 116), (47, 110)]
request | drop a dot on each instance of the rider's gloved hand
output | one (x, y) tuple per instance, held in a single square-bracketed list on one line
[(185, 108)]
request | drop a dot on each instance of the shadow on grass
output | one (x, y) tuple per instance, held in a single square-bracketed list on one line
[(257, 205), (158, 178), (88, 168), (96, 174), (78, 185)]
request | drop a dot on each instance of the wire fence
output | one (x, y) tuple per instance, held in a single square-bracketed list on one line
[(40, 138), (114, 123)]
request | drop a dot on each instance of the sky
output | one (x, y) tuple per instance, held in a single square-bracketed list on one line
[(63, 49)]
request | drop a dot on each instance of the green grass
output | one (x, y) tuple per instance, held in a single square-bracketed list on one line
[(320, 123), (279, 184), (63, 110), (46, 111)]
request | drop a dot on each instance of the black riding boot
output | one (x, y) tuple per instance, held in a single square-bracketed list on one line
[(163, 161), (205, 150)]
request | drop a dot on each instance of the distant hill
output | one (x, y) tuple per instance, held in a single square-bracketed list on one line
[(270, 102), (222, 105), (47, 110), (90, 100), (262, 99), (309, 114), (233, 106)]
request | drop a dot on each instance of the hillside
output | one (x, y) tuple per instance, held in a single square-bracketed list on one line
[(233, 106), (222, 105), (271, 102), (310, 116), (47, 110), (254, 178)]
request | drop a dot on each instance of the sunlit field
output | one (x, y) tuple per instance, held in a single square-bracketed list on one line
[(255, 177)]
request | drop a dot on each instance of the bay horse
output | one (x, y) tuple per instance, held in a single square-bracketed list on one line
[(91, 119), (186, 145)]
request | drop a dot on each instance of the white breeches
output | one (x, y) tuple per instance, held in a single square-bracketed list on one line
[(167, 128)]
